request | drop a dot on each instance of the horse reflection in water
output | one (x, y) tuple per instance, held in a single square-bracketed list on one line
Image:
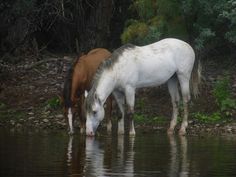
[(179, 164), (110, 161), (75, 156), (78, 80), (115, 156)]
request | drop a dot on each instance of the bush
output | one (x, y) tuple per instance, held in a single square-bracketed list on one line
[(204, 118), (53, 103), (223, 96)]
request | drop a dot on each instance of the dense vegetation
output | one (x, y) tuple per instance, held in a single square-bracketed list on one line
[(208, 25), (32, 26), (75, 26)]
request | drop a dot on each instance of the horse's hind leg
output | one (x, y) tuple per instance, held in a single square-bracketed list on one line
[(184, 84), (174, 93), (120, 99)]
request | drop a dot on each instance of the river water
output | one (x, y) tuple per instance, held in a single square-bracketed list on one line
[(31, 154)]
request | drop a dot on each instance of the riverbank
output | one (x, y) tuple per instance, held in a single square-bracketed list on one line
[(29, 99)]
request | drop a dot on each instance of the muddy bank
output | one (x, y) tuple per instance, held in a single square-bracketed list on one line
[(29, 100)]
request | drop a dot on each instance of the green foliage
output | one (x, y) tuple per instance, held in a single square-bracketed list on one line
[(145, 8), (139, 118), (205, 24), (143, 119), (53, 103), (224, 100), (204, 118), (223, 96), (11, 114), (205, 34), (140, 103), (229, 13), (2, 106), (156, 19)]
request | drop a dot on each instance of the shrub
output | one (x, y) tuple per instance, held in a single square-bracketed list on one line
[(53, 103), (223, 96), (204, 118)]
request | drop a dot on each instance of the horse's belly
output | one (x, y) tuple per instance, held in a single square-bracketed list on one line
[(151, 82), (154, 75)]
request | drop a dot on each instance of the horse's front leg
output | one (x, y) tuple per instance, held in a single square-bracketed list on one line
[(130, 99), (81, 114), (120, 99)]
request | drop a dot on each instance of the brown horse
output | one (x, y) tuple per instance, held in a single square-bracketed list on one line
[(78, 80)]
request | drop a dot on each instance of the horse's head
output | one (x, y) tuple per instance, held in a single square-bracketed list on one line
[(94, 113)]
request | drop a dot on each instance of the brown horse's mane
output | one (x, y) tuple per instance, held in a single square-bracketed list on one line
[(106, 64)]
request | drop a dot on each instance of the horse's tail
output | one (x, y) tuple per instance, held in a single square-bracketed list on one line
[(67, 88), (196, 77)]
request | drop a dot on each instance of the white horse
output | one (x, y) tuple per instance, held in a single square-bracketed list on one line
[(130, 67)]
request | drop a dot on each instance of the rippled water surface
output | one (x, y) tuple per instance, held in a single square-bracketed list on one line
[(56, 154)]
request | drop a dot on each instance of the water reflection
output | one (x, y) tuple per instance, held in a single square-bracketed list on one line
[(115, 156), (101, 157), (56, 154), (179, 164), (75, 156), (148, 155)]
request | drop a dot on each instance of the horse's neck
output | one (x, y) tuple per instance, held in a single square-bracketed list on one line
[(106, 85)]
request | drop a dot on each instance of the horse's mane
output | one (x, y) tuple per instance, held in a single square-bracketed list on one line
[(68, 84), (106, 64)]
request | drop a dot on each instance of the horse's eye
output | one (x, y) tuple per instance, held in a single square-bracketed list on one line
[(94, 112)]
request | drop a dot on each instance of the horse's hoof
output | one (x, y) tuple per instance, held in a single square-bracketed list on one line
[(132, 134), (182, 132)]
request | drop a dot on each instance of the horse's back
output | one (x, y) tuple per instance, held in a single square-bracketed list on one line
[(98, 54), (154, 64), (168, 52), (87, 65), (170, 46)]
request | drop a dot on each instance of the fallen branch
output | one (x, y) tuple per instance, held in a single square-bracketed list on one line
[(47, 61), (29, 67)]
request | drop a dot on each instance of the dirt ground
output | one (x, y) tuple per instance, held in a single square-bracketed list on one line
[(25, 95)]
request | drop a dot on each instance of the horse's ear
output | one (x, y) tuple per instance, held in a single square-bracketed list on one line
[(85, 93)]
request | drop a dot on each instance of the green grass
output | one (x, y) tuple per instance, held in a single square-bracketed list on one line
[(204, 118), (144, 119), (53, 103)]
